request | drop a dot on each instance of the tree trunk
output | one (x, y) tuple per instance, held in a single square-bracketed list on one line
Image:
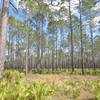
[(3, 30), (11, 53), (92, 45), (81, 33), (61, 48), (27, 53), (9, 49), (56, 50), (53, 48), (38, 46), (71, 30)]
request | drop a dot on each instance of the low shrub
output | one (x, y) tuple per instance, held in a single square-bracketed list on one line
[(20, 91)]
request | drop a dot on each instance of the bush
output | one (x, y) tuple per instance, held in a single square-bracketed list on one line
[(72, 89), (7, 74), (12, 75), (20, 91), (96, 87)]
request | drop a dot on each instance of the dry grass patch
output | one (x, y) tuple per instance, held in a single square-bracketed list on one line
[(56, 79), (60, 80)]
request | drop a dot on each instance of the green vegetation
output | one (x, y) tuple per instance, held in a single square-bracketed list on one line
[(72, 89), (67, 72), (14, 88)]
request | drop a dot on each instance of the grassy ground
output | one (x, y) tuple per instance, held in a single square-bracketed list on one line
[(59, 85), (59, 80)]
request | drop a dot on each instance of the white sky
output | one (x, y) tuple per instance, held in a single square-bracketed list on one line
[(16, 2), (97, 19), (74, 4)]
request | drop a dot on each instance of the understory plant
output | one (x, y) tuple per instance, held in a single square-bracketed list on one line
[(13, 88)]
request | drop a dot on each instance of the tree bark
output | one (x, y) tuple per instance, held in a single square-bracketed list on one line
[(27, 52), (71, 30), (56, 50), (53, 48), (81, 34), (92, 45), (3, 30)]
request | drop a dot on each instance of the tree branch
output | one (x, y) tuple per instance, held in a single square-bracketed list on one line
[(51, 3), (13, 6)]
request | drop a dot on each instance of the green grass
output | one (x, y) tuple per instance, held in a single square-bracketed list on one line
[(68, 72), (14, 88)]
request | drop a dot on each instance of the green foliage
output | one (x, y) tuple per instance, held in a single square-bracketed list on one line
[(67, 72), (15, 89), (97, 93), (9, 74), (41, 91), (96, 87), (92, 72), (21, 91), (72, 89)]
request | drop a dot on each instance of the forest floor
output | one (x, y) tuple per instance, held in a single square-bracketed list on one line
[(59, 79)]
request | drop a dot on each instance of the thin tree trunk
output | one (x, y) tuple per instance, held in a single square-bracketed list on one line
[(3, 30), (9, 49), (48, 56), (71, 30), (38, 46), (82, 63), (92, 46), (61, 50), (52, 52), (27, 53), (11, 53), (56, 51), (42, 44)]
